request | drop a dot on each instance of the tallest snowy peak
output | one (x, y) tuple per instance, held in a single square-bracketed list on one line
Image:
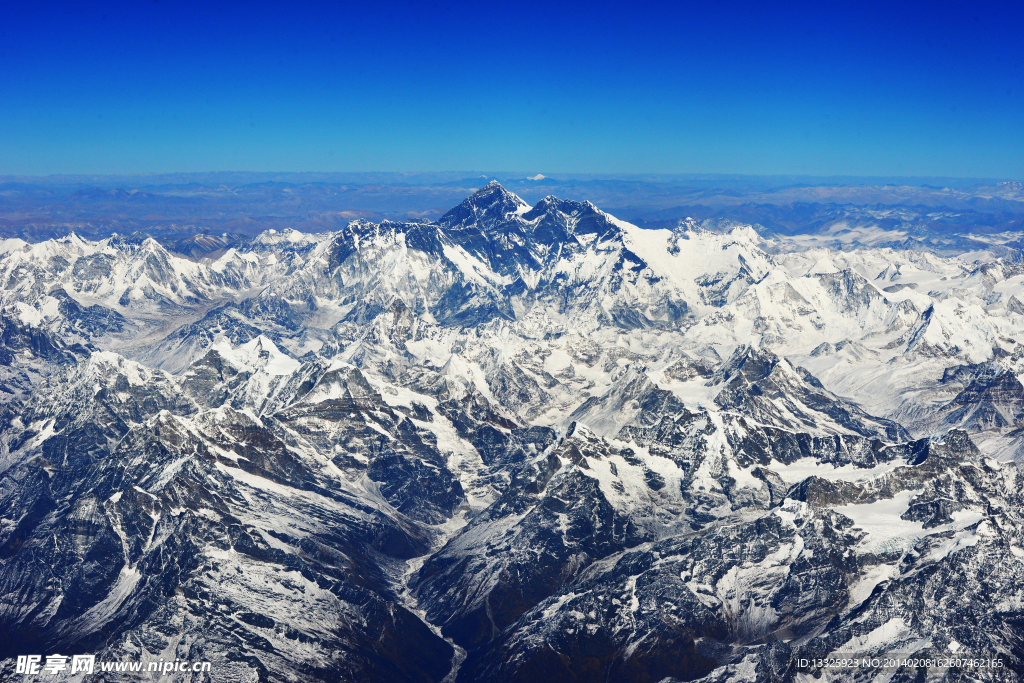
[(492, 192), (488, 206)]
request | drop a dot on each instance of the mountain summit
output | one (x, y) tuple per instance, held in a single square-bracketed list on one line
[(486, 207)]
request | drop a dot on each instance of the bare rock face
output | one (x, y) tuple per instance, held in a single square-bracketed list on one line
[(517, 444), (768, 389)]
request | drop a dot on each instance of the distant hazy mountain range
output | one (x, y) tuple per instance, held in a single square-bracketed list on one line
[(942, 213)]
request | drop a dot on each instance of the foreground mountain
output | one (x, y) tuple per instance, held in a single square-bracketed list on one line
[(517, 443)]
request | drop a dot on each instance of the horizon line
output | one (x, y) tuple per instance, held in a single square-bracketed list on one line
[(513, 175)]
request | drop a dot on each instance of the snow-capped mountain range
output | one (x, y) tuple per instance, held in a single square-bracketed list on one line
[(517, 443)]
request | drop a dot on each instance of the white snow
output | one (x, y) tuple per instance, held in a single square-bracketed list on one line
[(803, 468)]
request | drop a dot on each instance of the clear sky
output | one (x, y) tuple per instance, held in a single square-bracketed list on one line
[(854, 88)]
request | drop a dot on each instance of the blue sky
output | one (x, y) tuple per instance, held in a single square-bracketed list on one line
[(827, 88)]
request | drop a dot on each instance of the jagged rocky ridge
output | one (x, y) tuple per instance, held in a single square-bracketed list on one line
[(520, 443)]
